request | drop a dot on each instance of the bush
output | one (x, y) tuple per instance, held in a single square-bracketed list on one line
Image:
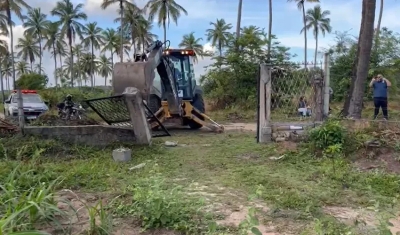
[(32, 81), (328, 134)]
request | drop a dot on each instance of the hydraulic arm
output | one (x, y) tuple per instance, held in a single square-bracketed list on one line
[(141, 75)]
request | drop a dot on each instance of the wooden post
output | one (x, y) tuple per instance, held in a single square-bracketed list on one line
[(264, 117), (137, 114)]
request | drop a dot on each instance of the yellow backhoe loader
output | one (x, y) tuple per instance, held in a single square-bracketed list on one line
[(167, 83)]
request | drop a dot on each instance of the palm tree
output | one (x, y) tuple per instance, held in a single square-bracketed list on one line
[(300, 6), (318, 21), (104, 68), (16, 7), (7, 70), (132, 18), (3, 52), (378, 27), (92, 38), (105, 5), (353, 105), (110, 42), (144, 35), (22, 68), (36, 25), (78, 51), (219, 34), (28, 49), (164, 10), (239, 19), (269, 32), (86, 62), (70, 26), (52, 35), (190, 42)]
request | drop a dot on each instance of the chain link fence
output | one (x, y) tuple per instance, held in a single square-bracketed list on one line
[(294, 92)]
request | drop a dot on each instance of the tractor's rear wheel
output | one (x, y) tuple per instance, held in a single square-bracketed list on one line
[(198, 103)]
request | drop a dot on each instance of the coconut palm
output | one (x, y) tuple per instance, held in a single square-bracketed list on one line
[(190, 42), (52, 36), (144, 35), (7, 70), (28, 49), (239, 19), (104, 67), (16, 7), (78, 50), (3, 24), (70, 26), (86, 63), (269, 31), (164, 11), (36, 24), (122, 5), (92, 37), (300, 6), (131, 20), (219, 34), (110, 42), (3, 52), (22, 67), (318, 21)]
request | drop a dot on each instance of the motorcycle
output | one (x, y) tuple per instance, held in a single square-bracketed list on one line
[(71, 113)]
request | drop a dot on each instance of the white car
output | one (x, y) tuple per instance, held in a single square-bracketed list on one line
[(32, 103)]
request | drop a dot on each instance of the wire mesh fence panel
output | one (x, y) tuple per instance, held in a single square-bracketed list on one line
[(114, 111), (293, 93)]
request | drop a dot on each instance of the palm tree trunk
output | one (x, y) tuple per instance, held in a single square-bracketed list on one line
[(121, 6), (61, 63), (165, 29), (92, 66), (2, 86), (378, 27), (112, 59), (55, 64), (71, 62), (31, 66), (316, 51), (40, 53), (269, 32), (105, 81), (305, 36), (220, 48), (11, 44), (239, 19), (354, 101)]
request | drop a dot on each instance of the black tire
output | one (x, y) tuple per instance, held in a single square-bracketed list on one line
[(198, 103)]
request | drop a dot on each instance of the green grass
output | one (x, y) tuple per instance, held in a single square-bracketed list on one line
[(177, 182)]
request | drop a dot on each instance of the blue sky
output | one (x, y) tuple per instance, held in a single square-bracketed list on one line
[(287, 21)]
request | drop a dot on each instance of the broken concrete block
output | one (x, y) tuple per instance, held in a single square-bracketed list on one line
[(170, 144), (141, 165), (122, 155)]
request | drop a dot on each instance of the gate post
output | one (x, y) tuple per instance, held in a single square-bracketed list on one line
[(264, 131), (134, 103), (318, 84)]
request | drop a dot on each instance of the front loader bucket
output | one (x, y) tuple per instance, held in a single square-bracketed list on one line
[(133, 74)]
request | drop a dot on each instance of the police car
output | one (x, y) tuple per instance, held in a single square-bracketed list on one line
[(33, 104)]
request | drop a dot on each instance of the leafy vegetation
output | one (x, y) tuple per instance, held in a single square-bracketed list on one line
[(192, 191)]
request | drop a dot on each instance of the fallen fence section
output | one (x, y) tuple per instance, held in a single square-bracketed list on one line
[(115, 112)]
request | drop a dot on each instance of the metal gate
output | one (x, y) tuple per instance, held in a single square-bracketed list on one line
[(114, 111)]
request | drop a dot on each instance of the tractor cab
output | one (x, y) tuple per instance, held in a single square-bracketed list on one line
[(183, 73)]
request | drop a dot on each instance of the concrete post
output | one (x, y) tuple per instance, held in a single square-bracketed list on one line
[(21, 118), (318, 97), (326, 84), (264, 127), (134, 102)]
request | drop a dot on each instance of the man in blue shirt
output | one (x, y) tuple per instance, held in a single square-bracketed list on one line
[(380, 86)]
